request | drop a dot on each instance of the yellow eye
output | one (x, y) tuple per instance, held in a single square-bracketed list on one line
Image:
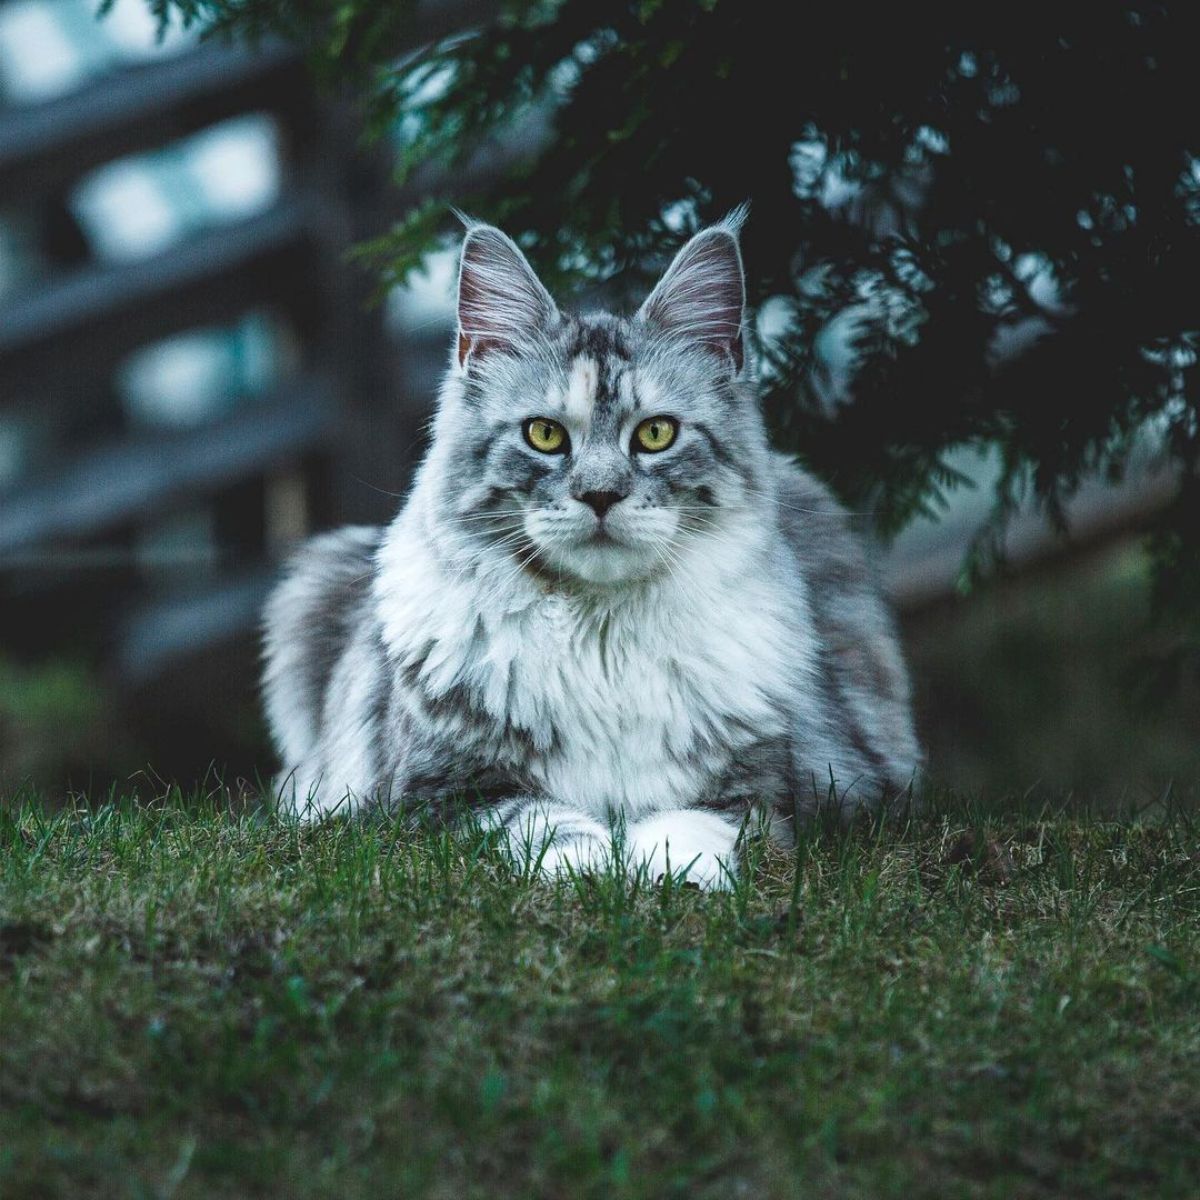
[(655, 433), (545, 435)]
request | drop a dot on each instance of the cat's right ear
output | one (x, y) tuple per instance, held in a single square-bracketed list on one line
[(702, 297), (501, 302)]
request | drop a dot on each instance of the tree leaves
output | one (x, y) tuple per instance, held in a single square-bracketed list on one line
[(1004, 201)]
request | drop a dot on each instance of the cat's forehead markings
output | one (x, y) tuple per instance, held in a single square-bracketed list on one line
[(648, 393), (582, 381), (627, 393)]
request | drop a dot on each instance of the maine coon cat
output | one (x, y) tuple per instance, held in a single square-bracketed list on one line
[(606, 602)]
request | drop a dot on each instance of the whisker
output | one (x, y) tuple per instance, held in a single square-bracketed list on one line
[(500, 585), (759, 494), (476, 555), (500, 515), (381, 491)]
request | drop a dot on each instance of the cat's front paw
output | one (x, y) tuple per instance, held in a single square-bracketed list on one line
[(692, 845), (552, 839), (583, 854)]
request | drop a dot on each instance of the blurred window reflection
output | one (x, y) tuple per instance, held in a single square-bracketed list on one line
[(51, 47), (142, 205)]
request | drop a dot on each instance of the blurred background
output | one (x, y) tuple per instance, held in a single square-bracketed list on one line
[(193, 377)]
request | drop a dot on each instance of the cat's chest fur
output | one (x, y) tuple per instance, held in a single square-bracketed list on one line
[(633, 706)]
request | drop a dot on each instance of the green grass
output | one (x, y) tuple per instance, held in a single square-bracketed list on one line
[(196, 1002)]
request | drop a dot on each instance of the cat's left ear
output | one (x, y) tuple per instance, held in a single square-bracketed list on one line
[(501, 302), (702, 297)]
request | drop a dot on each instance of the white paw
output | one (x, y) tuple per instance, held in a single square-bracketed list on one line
[(580, 855), (556, 840), (690, 844)]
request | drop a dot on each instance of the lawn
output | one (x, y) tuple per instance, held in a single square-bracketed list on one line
[(199, 1001)]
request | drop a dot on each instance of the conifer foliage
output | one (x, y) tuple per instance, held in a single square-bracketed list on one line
[(971, 223)]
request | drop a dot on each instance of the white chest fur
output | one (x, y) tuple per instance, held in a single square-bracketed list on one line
[(631, 705)]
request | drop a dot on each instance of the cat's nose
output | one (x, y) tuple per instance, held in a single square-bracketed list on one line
[(601, 502)]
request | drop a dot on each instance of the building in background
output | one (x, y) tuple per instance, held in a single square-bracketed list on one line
[(187, 366)]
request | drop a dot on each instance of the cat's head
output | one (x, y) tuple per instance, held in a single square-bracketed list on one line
[(597, 448)]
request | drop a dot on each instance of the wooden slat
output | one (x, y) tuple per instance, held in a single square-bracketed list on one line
[(45, 147), (84, 324), (189, 622), (144, 476)]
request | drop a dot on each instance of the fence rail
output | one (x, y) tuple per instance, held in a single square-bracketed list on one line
[(74, 521)]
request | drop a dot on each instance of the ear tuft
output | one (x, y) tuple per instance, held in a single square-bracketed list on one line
[(501, 302), (702, 297)]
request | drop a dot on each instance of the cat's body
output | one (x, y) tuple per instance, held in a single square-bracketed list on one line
[(596, 632)]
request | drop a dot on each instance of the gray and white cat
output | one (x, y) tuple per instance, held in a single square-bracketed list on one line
[(606, 601)]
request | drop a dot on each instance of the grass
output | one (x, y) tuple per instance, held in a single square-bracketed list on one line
[(201, 1002)]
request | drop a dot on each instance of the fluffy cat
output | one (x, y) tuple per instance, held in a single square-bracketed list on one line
[(606, 602)]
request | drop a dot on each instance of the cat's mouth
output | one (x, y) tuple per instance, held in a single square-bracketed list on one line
[(601, 537), (599, 557), (608, 551)]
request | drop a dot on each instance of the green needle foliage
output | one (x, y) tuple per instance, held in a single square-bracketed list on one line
[(1001, 202), (199, 1002)]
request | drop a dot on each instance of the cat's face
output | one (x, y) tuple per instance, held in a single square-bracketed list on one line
[(596, 448)]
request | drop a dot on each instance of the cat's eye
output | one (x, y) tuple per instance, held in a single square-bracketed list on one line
[(546, 435), (655, 434)]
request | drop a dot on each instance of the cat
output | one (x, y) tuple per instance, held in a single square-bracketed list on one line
[(606, 603)]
